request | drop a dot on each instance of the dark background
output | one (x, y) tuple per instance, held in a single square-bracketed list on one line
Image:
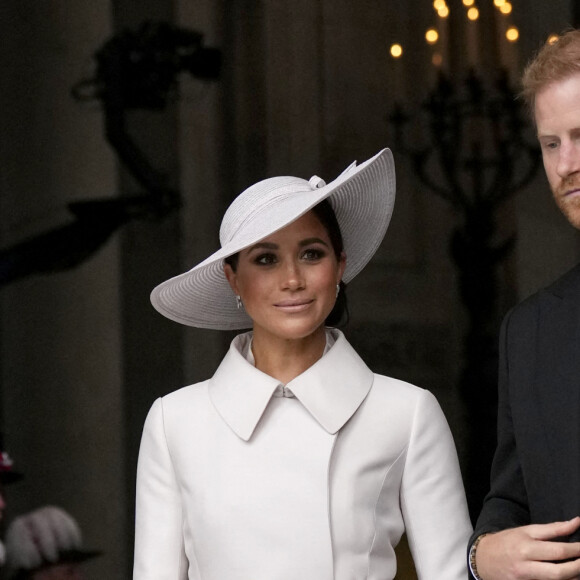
[(305, 88)]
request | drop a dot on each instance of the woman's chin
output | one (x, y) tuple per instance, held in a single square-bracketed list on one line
[(294, 330)]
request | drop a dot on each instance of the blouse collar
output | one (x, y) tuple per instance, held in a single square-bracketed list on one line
[(331, 390)]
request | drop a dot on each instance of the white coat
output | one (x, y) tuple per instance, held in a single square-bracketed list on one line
[(240, 478)]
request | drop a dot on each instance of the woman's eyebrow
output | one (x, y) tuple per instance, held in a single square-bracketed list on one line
[(263, 246), (309, 241), (273, 246)]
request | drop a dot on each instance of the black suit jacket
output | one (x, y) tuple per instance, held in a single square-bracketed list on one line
[(535, 475)]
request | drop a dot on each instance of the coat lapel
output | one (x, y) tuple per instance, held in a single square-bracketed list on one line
[(334, 388), (239, 391), (557, 389)]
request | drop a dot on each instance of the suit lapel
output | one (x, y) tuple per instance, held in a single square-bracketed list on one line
[(557, 389)]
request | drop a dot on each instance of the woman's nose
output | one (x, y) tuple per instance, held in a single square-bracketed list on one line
[(293, 277)]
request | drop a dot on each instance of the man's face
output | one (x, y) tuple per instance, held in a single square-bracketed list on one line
[(557, 113)]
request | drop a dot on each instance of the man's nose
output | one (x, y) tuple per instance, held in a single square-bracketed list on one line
[(568, 159)]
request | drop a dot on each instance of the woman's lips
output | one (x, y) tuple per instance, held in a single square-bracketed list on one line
[(293, 305)]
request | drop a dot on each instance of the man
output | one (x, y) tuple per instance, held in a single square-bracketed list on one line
[(528, 527), (45, 544)]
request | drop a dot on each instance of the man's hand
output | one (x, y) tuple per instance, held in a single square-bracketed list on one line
[(528, 553)]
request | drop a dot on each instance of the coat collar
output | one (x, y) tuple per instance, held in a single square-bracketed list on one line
[(567, 285), (331, 390)]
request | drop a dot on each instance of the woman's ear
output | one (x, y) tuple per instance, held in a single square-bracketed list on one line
[(341, 266), (231, 278)]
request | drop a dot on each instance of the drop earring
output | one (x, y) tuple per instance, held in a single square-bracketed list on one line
[(239, 302), (337, 289)]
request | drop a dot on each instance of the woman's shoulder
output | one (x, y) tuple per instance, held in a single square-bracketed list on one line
[(389, 386), (185, 395), (400, 397), (395, 411)]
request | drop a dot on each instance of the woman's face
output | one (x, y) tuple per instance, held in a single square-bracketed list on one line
[(288, 280)]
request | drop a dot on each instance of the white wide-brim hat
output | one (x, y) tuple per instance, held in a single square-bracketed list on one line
[(362, 198)]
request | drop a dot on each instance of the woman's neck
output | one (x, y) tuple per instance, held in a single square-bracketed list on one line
[(286, 359)]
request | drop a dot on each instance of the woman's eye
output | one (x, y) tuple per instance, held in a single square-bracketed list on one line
[(313, 254), (265, 259)]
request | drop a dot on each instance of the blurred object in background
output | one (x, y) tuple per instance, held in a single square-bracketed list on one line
[(45, 544), (8, 475), (135, 70)]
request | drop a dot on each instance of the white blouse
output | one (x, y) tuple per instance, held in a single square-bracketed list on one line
[(238, 482)]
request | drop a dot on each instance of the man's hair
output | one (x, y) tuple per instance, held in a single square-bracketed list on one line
[(555, 61)]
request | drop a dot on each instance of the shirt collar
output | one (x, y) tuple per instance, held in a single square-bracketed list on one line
[(331, 390)]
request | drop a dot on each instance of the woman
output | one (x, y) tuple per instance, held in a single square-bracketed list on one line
[(294, 461)]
